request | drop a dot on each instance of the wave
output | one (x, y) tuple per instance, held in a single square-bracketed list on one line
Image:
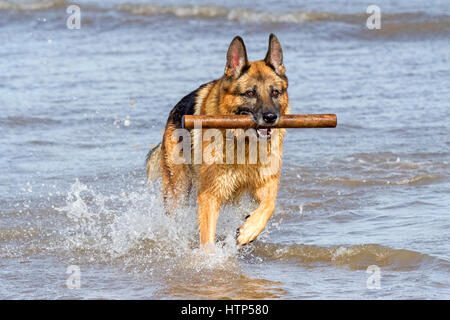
[(256, 16), (386, 168), (240, 14), (355, 256), (130, 230), (355, 183), (412, 28), (20, 121), (33, 5), (391, 22)]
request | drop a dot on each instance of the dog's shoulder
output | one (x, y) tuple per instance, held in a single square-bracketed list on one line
[(189, 104)]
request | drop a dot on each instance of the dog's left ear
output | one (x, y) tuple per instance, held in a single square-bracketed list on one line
[(274, 56)]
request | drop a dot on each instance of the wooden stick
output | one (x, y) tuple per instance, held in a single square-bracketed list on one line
[(246, 121)]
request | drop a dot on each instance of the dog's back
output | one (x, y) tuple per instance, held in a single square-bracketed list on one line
[(188, 105)]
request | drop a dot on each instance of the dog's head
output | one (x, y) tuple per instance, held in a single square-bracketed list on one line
[(256, 88)]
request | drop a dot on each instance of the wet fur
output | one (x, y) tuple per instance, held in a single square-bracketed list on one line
[(217, 184)]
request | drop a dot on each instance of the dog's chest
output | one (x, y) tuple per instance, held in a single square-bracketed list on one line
[(227, 181)]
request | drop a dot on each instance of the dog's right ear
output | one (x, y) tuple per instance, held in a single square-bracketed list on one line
[(236, 58)]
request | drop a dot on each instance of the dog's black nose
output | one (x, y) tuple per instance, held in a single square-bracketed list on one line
[(269, 117)]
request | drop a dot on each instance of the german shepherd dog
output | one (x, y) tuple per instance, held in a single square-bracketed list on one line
[(256, 88)]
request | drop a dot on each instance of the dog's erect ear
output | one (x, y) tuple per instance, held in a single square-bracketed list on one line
[(236, 58), (274, 56)]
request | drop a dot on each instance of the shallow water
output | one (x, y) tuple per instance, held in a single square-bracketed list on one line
[(81, 108)]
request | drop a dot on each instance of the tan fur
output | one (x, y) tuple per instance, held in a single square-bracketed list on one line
[(217, 184)]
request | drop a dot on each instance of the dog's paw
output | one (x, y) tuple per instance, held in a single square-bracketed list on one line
[(249, 231)]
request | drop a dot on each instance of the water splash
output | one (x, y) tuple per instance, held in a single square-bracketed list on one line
[(131, 229)]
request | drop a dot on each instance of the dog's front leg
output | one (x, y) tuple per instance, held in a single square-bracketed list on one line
[(208, 213), (258, 219)]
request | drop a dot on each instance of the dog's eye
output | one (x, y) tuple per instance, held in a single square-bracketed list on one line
[(275, 93), (250, 93)]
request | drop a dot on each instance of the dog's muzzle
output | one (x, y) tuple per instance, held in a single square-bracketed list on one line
[(263, 121)]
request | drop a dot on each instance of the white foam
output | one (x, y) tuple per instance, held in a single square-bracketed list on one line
[(215, 11), (132, 229)]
